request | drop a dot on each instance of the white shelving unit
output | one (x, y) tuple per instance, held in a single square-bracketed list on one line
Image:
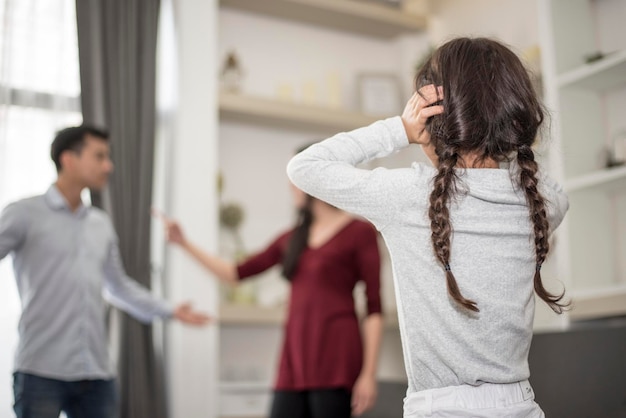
[(240, 314), (377, 23), (588, 103), (233, 314), (605, 74), (244, 399), (602, 179), (285, 114), (360, 17)]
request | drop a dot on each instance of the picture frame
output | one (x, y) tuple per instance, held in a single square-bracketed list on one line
[(379, 94)]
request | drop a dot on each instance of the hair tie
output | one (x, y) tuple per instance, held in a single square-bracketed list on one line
[(538, 268), (447, 267)]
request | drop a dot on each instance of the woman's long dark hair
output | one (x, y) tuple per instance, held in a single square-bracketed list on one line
[(300, 236), (299, 239), (491, 111)]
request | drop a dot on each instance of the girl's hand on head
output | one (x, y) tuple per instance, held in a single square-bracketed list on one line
[(418, 110)]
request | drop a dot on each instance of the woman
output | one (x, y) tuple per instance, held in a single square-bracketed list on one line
[(326, 370), (467, 237)]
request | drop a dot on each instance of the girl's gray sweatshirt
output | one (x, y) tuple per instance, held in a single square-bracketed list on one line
[(492, 254)]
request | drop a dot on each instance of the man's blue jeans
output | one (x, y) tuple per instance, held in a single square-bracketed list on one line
[(39, 397)]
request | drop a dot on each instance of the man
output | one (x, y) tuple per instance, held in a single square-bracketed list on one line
[(65, 256)]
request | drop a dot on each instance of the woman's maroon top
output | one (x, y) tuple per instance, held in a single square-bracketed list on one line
[(322, 345)]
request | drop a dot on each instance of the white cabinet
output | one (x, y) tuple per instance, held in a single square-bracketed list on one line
[(312, 59), (252, 399), (587, 104), (361, 17)]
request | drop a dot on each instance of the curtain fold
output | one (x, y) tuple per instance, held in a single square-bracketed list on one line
[(117, 55)]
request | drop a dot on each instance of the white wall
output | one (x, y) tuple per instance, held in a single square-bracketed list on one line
[(514, 22), (192, 359), (9, 317)]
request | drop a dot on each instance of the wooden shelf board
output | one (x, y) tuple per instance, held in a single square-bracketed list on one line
[(226, 385), (599, 303), (601, 75), (246, 315), (242, 416), (249, 109), (603, 179), (233, 314), (360, 17)]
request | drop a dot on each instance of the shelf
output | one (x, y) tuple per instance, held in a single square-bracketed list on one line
[(599, 303), (361, 17), (232, 314), (600, 180), (244, 385), (246, 315), (243, 416), (241, 108), (601, 75)]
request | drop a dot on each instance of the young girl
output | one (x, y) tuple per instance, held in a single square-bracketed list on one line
[(326, 369), (467, 238)]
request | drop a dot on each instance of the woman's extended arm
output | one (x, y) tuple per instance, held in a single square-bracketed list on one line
[(224, 270)]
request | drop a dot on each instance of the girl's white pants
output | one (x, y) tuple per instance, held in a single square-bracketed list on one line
[(489, 400)]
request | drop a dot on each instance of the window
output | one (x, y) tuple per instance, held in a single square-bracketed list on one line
[(39, 94)]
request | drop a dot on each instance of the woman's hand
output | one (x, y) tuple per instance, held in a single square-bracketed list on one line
[(417, 112), (364, 394), (225, 271), (173, 231)]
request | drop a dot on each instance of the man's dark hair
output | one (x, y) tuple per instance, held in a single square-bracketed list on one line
[(73, 139)]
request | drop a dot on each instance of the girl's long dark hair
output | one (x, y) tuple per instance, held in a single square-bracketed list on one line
[(491, 111)]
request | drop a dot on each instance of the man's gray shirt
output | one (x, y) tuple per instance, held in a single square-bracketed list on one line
[(65, 262)]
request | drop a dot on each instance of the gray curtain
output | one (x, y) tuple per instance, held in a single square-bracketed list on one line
[(117, 53)]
